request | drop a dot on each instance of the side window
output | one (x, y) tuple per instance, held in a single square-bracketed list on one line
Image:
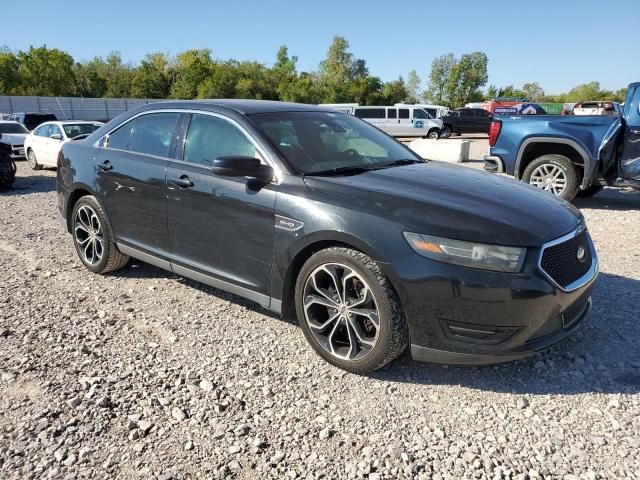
[(120, 138), (54, 130), (482, 113), (152, 134), (391, 113), (42, 131), (212, 137), (370, 113), (420, 114), (432, 111), (403, 113)]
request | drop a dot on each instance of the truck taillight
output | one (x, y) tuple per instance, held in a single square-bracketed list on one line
[(494, 131)]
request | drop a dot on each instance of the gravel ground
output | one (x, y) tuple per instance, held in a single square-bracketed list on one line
[(143, 374)]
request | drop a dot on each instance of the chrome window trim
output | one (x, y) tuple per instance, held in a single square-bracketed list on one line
[(587, 277), (269, 161)]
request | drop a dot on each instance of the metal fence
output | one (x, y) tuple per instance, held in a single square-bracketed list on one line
[(72, 108)]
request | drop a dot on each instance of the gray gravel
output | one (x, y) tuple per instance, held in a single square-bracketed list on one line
[(143, 374)]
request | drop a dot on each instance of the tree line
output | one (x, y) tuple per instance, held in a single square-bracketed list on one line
[(339, 78)]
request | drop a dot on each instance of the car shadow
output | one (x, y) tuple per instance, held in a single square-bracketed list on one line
[(611, 199), (603, 357), (32, 183)]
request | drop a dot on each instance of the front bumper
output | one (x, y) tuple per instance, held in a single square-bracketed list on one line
[(464, 316), (17, 152)]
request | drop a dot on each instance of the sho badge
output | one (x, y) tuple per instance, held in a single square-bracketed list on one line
[(289, 224), (581, 254)]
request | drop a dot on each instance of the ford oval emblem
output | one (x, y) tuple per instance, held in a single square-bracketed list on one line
[(581, 254)]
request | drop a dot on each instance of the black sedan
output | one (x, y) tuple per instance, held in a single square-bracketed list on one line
[(319, 215)]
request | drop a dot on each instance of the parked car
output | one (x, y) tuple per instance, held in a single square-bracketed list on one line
[(316, 214), (570, 155), (32, 120), (43, 144), (597, 108), (14, 134), (465, 120), (407, 121), (434, 110)]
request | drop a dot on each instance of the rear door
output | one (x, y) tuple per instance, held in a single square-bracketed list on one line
[(220, 227), (131, 179), (392, 121), (405, 126), (38, 142), (483, 120), (630, 157)]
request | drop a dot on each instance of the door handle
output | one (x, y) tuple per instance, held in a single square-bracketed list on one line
[(105, 166), (182, 182)]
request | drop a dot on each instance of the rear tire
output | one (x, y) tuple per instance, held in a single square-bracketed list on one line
[(33, 161), (93, 238), (340, 296), (589, 192), (553, 173)]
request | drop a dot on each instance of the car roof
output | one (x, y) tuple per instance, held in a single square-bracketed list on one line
[(10, 121), (243, 107)]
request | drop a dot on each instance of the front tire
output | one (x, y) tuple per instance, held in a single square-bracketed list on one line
[(445, 131), (93, 238), (348, 311), (433, 134), (33, 161), (553, 173)]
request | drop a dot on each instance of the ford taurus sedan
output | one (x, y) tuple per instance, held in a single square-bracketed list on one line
[(316, 214)]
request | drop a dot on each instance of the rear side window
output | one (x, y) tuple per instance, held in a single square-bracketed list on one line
[(391, 113), (152, 134), (403, 113), (120, 138), (212, 137), (370, 113)]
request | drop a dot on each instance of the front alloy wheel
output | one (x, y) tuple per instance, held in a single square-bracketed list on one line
[(33, 161), (341, 311), (348, 310)]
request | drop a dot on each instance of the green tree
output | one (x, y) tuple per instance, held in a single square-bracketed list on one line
[(9, 75), (466, 78), (45, 71), (339, 70), (394, 92), (413, 87), (151, 78), (191, 70), (587, 91), (89, 81), (533, 91), (441, 69)]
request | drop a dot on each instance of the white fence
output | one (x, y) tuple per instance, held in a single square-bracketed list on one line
[(72, 108)]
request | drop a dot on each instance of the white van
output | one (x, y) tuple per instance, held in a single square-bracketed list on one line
[(401, 121), (434, 110)]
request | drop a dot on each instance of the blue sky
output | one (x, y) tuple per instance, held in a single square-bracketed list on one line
[(557, 43)]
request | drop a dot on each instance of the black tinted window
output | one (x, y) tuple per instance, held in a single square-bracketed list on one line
[(152, 134), (370, 113), (120, 138), (391, 113), (482, 113), (403, 113), (432, 111), (211, 137)]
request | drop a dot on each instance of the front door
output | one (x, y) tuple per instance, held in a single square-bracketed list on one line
[(131, 179), (221, 229)]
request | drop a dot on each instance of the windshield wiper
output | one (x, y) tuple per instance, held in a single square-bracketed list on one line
[(397, 163), (355, 170)]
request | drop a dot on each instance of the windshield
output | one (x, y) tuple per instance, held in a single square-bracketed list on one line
[(74, 129), (12, 128), (315, 142)]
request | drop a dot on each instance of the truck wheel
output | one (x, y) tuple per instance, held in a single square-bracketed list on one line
[(589, 192), (445, 131), (553, 173)]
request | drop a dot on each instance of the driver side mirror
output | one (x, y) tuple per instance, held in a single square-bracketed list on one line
[(56, 136), (242, 166)]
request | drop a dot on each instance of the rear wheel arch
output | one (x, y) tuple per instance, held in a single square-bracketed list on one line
[(533, 148)]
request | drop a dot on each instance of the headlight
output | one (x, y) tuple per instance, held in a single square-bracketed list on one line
[(468, 254)]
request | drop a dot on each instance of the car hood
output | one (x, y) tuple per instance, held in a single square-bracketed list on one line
[(13, 138), (455, 202)]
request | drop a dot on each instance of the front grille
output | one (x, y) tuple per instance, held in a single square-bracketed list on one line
[(561, 262)]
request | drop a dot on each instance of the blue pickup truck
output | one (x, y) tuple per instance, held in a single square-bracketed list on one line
[(569, 155)]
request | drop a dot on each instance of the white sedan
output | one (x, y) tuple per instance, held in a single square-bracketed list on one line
[(43, 144)]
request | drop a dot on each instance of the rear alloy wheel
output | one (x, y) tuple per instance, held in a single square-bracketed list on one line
[(33, 161), (93, 239), (553, 173), (348, 311)]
